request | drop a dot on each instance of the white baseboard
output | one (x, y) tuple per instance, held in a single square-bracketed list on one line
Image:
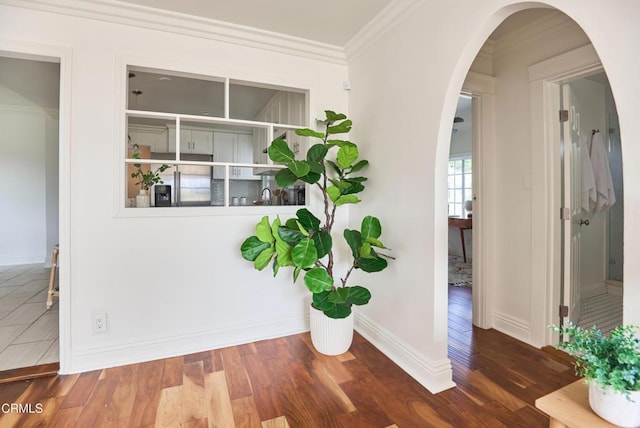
[(132, 352), (24, 259), (593, 290), (436, 376), (514, 327)]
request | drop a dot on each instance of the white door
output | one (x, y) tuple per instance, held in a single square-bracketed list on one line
[(578, 219), (571, 202)]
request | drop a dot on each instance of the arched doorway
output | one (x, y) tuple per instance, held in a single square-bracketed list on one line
[(520, 270)]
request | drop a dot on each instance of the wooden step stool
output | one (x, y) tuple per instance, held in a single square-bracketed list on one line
[(53, 291)]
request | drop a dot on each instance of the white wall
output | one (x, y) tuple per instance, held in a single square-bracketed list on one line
[(28, 166), (409, 75), (169, 285)]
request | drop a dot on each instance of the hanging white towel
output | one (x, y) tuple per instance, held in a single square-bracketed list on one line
[(588, 195), (602, 174)]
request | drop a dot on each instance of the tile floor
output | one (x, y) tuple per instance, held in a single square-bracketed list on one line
[(28, 331), (604, 311)]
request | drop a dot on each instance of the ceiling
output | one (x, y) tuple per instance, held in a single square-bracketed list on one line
[(332, 22)]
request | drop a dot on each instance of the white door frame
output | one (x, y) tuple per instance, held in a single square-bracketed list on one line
[(35, 51), (482, 89), (545, 78)]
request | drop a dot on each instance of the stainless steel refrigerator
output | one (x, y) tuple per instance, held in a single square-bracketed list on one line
[(190, 184)]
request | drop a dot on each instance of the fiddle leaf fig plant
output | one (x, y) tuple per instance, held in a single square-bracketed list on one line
[(305, 242)]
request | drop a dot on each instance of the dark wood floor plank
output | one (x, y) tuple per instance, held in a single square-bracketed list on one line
[(147, 393), (193, 392), (95, 411), (82, 390), (124, 396), (172, 374), (235, 373)]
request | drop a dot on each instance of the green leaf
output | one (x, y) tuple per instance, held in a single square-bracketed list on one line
[(333, 192), (347, 199), (252, 247), (262, 261), (299, 168), (285, 177), (279, 151), (347, 155), (342, 185), (304, 254), (354, 240), (338, 143), (311, 178), (296, 273), (284, 253), (263, 230), (318, 280), (375, 242), (356, 179), (323, 242), (290, 235), (358, 166), (339, 311), (308, 220), (317, 152), (332, 116), (292, 224), (320, 301), (302, 229), (354, 187), (335, 167), (358, 295), (276, 267), (316, 167), (340, 128), (375, 264), (306, 132), (371, 227), (340, 295), (365, 250), (274, 228)]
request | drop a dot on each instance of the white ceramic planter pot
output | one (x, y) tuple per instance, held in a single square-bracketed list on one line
[(143, 200), (614, 407), (330, 336)]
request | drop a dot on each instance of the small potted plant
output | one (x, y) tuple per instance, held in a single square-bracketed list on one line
[(611, 366), (146, 180), (305, 243)]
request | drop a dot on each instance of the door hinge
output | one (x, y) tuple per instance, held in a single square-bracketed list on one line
[(564, 311), (565, 214), (564, 115)]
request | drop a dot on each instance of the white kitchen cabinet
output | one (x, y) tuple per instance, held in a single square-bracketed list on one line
[(193, 141), (233, 148)]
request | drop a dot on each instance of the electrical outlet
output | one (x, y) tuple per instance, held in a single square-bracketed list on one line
[(100, 322)]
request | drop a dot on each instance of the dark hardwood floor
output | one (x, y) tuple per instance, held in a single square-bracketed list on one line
[(285, 383)]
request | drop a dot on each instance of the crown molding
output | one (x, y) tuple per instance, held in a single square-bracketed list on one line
[(551, 25), (161, 20), (390, 17)]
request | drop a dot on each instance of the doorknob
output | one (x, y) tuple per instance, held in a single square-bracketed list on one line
[(585, 222)]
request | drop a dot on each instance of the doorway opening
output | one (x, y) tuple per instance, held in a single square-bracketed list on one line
[(592, 189), (29, 155)]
